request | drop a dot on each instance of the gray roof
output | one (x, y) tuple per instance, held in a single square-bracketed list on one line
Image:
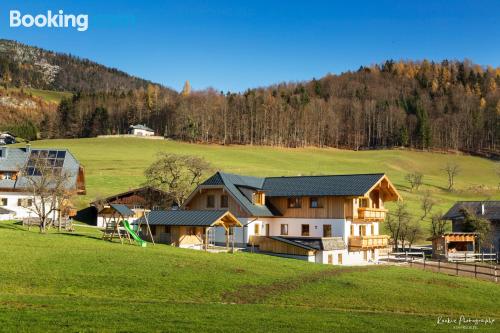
[(491, 209), (141, 127), (313, 243), (5, 211), (233, 182), (123, 210), (333, 185), (182, 217), (15, 159)]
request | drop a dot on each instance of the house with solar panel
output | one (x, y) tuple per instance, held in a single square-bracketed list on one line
[(17, 166), (325, 219)]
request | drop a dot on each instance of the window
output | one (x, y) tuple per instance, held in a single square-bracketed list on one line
[(295, 202), (330, 259), (372, 229), (224, 201), (362, 230), (363, 202), (284, 229), (3, 201), (256, 229), (352, 230), (24, 202), (305, 230), (210, 201), (327, 230), (339, 259), (314, 202), (258, 198)]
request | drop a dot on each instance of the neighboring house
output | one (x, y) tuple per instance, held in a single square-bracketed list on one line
[(325, 219), (7, 138), (139, 200), (140, 130), (15, 169), (489, 210)]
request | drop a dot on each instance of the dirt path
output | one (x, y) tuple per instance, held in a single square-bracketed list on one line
[(254, 294)]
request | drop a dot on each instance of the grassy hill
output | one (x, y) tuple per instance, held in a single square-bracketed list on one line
[(117, 164), (77, 282)]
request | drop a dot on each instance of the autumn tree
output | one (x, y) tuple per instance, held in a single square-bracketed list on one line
[(177, 175)]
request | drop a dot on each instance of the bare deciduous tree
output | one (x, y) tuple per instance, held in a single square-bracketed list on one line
[(427, 204), (438, 224), (177, 175), (397, 223), (415, 179), (49, 189), (452, 170)]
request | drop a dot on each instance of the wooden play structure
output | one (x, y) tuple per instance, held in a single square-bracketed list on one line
[(117, 225)]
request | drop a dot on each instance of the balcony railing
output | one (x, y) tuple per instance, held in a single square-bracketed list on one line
[(371, 214), (367, 242)]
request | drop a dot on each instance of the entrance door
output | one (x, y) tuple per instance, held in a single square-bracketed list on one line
[(267, 229)]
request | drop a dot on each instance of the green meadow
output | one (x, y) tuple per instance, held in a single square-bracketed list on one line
[(77, 282), (113, 165)]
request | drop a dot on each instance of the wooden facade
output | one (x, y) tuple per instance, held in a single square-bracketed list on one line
[(327, 207), (267, 244), (200, 199), (368, 242)]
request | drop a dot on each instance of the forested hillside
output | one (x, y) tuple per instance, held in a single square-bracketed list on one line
[(451, 105)]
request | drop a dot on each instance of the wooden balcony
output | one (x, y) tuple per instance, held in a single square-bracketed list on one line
[(371, 214), (368, 242)]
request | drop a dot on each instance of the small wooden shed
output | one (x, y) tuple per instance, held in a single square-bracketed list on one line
[(190, 228), (452, 244)]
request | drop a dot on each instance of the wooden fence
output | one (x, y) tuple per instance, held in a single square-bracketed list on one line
[(478, 271)]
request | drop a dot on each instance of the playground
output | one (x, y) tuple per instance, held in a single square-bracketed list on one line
[(118, 227)]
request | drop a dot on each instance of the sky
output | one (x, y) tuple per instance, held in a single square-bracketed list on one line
[(237, 45)]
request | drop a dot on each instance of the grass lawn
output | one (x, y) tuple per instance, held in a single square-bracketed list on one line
[(113, 165), (47, 95), (77, 282)]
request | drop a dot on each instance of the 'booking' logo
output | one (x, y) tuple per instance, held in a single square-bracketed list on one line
[(60, 20)]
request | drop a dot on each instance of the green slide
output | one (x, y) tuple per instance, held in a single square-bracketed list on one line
[(133, 234)]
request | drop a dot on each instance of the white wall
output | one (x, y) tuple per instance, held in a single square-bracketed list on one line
[(141, 132), (19, 211), (295, 226)]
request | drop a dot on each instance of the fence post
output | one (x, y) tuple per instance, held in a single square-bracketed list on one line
[(456, 267), (465, 257), (406, 255), (439, 265), (496, 275), (424, 262), (482, 256), (475, 270)]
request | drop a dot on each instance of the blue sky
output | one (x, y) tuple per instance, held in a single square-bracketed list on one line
[(235, 45)]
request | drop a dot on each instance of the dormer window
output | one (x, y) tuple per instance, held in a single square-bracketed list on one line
[(210, 201), (314, 202), (224, 201), (259, 198)]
